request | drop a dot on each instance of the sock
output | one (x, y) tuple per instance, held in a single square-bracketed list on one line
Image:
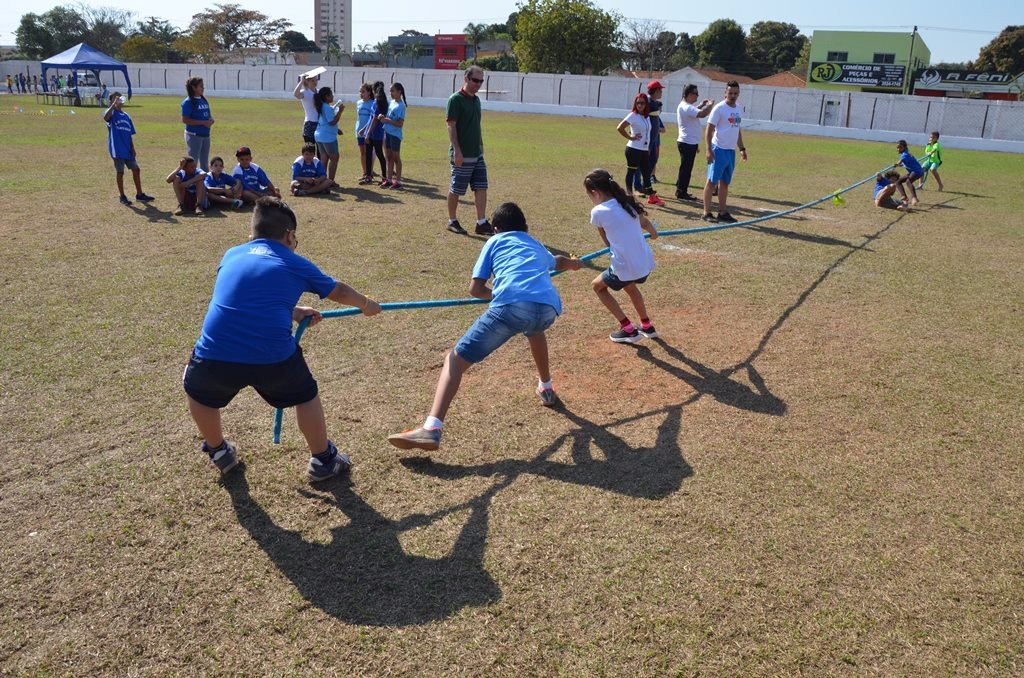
[(481, 222), (546, 385), (451, 221), (626, 325), (326, 455), (432, 423), (213, 450), (645, 322)]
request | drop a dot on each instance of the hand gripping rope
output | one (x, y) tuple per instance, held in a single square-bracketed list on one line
[(440, 303)]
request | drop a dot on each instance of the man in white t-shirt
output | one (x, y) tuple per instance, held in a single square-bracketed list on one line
[(304, 92), (723, 137), (689, 113)]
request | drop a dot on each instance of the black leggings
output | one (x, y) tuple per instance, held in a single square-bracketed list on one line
[(637, 161), (370, 147)]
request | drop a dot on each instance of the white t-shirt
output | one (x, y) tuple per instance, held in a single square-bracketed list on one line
[(308, 106), (631, 257), (689, 123), (639, 124), (726, 120)]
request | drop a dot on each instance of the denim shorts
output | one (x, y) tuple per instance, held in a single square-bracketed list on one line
[(499, 324), (121, 163), (327, 149), (215, 383)]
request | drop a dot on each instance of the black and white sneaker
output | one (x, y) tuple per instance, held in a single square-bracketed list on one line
[(649, 332), (484, 228), (456, 227), (224, 457), (623, 337), (726, 218), (710, 218), (335, 464)]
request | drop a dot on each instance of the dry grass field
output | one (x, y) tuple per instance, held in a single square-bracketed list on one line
[(817, 469)]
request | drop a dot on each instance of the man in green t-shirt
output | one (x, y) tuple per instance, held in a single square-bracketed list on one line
[(467, 152)]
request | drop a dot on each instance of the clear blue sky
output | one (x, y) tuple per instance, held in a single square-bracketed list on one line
[(954, 30)]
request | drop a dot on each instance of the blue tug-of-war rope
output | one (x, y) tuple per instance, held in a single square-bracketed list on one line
[(440, 303)]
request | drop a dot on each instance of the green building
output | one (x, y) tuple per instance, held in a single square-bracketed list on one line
[(865, 61)]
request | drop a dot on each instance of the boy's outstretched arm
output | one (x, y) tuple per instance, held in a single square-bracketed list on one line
[(479, 289), (343, 294), (563, 263)]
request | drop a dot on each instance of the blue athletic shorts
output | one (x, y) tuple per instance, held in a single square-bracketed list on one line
[(472, 174), (723, 165), (328, 149), (215, 383), (392, 143), (498, 324)]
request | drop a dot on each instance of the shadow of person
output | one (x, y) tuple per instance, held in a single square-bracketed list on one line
[(653, 472), (363, 575), (718, 384)]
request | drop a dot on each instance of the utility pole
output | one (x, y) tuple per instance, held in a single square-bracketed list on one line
[(908, 78)]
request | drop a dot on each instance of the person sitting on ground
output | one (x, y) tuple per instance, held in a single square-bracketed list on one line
[(247, 339), (255, 182), (222, 188), (885, 187), (523, 301), (309, 176), (189, 187)]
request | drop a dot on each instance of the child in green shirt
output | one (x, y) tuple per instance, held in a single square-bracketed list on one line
[(932, 162)]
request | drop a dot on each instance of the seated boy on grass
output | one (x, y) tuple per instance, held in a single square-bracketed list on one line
[(189, 189), (523, 301), (247, 338), (885, 187), (309, 176), (222, 188), (255, 182)]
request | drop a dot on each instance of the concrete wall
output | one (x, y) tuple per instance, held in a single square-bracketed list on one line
[(964, 123)]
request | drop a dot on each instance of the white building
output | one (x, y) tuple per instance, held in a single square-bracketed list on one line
[(333, 18)]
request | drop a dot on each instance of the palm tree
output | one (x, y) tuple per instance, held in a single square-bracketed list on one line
[(476, 33), (412, 50), (384, 50)]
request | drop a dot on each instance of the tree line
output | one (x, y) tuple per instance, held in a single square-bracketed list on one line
[(544, 36)]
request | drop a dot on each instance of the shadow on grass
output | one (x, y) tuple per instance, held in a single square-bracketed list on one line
[(363, 575), (805, 237)]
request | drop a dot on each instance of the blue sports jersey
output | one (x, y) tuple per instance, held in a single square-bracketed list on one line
[(253, 178), (300, 168), (363, 109), (119, 135), (185, 177), (326, 133), (521, 267), (910, 163), (197, 109), (250, 315), (225, 180), (378, 130), (396, 111), (880, 184)]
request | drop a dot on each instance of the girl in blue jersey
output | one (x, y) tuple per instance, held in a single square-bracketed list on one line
[(914, 171), (375, 132), (363, 107), (195, 114), (393, 123), (326, 134)]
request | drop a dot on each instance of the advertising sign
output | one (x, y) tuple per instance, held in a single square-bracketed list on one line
[(863, 75), (964, 81)]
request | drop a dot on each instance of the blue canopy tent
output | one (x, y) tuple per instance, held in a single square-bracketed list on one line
[(81, 57)]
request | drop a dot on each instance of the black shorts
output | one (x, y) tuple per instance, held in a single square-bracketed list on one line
[(215, 383), (309, 131), (614, 283)]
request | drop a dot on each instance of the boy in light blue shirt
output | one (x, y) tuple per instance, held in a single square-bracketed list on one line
[(523, 301)]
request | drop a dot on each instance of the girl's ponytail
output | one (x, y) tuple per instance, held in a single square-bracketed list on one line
[(601, 180)]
